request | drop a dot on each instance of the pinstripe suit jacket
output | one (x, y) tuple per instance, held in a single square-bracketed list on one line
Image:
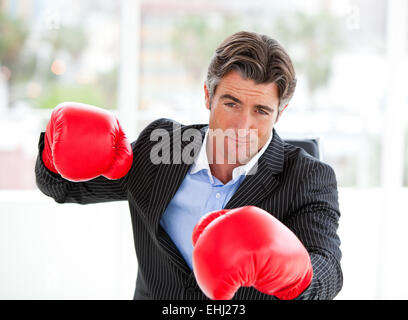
[(296, 188)]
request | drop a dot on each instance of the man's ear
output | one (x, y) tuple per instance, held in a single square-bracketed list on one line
[(207, 97)]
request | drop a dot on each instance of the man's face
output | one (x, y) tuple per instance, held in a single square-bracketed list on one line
[(243, 107)]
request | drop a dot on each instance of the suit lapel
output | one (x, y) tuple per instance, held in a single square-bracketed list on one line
[(170, 176), (168, 179), (262, 179)]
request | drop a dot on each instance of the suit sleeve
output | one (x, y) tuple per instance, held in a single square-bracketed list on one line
[(314, 219)]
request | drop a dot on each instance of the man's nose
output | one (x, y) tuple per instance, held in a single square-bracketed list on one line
[(245, 121)]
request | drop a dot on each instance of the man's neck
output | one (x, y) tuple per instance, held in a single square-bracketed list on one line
[(222, 170)]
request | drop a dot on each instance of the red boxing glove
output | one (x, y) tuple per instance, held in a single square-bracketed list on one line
[(246, 247), (83, 142)]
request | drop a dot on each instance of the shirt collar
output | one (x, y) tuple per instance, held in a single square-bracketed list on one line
[(201, 162)]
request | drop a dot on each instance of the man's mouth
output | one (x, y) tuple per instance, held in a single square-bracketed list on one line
[(241, 140)]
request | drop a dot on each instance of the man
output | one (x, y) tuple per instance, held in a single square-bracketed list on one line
[(263, 226)]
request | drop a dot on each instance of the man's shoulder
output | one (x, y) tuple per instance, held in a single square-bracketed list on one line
[(296, 159), (164, 127), (171, 125)]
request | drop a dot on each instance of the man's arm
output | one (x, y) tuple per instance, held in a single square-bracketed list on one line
[(314, 219), (83, 155), (96, 190), (99, 189)]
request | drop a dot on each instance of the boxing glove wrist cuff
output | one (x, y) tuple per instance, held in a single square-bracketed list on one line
[(296, 290), (47, 156)]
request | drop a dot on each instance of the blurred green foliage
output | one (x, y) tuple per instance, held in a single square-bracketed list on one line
[(56, 94), (13, 34), (312, 39), (72, 40), (195, 38), (25, 66)]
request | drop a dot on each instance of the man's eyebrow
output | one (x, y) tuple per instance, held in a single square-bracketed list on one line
[(228, 96)]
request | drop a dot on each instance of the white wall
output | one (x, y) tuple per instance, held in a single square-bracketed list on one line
[(64, 251), (374, 237)]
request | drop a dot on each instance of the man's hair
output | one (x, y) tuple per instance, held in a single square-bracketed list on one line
[(257, 57)]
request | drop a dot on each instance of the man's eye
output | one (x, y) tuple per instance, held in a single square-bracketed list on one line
[(230, 104), (261, 111)]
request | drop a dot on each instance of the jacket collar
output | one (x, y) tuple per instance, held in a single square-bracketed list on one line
[(272, 157), (201, 161)]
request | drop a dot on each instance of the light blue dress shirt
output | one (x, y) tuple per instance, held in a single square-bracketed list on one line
[(200, 193)]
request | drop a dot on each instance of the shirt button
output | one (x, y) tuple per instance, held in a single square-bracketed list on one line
[(218, 195)]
